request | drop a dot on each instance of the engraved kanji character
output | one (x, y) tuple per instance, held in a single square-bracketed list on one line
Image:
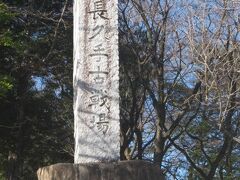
[(99, 98), (99, 79), (98, 52), (99, 10), (97, 30), (103, 124)]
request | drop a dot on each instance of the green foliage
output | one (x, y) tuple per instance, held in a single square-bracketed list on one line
[(5, 85), (5, 18), (10, 36), (5, 15), (6, 40), (36, 124)]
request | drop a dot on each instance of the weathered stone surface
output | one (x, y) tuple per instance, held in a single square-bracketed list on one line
[(125, 170), (96, 81)]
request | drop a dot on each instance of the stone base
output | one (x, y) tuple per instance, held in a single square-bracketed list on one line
[(123, 170)]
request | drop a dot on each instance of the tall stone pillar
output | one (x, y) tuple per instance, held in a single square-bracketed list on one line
[(96, 81)]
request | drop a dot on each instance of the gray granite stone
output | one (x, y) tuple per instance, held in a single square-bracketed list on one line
[(96, 81)]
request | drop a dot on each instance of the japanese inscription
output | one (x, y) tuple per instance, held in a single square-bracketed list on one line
[(96, 81)]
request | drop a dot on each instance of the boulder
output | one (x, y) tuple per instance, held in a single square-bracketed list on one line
[(123, 170)]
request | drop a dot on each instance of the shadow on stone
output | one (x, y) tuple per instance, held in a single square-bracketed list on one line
[(123, 170)]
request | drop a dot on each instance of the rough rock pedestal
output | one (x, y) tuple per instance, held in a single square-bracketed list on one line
[(124, 170)]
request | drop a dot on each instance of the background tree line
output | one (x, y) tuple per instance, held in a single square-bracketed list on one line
[(36, 86), (179, 86)]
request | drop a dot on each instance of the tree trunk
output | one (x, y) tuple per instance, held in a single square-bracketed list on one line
[(139, 143), (11, 169)]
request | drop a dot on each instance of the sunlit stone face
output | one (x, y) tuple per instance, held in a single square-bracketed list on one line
[(96, 81)]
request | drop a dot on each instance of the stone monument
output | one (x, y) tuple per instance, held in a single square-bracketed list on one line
[(96, 81), (96, 101)]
